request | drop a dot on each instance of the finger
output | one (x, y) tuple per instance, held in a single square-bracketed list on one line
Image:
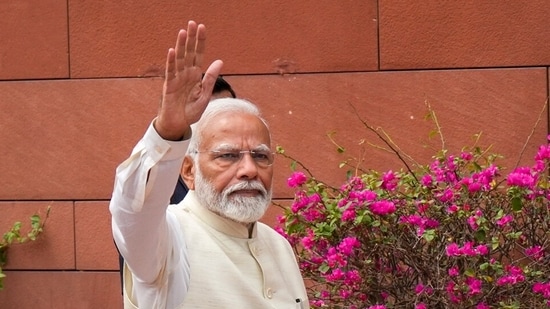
[(190, 44), (210, 77), (170, 65), (201, 45), (180, 49)]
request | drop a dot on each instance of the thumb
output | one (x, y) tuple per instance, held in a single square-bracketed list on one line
[(210, 76)]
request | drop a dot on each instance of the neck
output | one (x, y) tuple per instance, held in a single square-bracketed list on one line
[(250, 227)]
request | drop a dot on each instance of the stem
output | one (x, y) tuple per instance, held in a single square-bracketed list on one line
[(532, 132), (389, 143)]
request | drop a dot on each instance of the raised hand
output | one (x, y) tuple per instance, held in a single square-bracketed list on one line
[(185, 93)]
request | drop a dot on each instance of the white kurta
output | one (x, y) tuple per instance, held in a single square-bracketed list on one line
[(184, 255)]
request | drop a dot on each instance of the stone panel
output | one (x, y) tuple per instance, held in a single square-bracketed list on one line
[(463, 34), (131, 38), (64, 139), (95, 249), (34, 39), (61, 290), (54, 248)]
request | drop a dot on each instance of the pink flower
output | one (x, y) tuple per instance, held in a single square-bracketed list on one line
[(514, 275), (446, 196), (300, 202), (335, 259), (318, 302), (345, 293), (474, 285), (543, 153), (382, 208), (347, 244), (482, 306), (427, 180), (296, 179), (309, 240), (466, 156), (389, 181), (453, 271), (505, 220), (482, 250), (335, 275), (452, 209), (377, 307), (542, 288), (451, 292), (472, 221), (353, 184), (421, 306), (521, 177), (453, 250), (535, 252), (352, 278), (468, 249), (474, 187), (349, 214), (419, 288)]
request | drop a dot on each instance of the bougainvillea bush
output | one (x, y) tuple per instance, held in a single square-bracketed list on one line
[(455, 233)]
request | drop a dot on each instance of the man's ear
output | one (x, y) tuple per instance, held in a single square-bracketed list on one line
[(188, 172)]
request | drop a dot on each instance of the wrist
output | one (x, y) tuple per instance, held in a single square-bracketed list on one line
[(171, 135)]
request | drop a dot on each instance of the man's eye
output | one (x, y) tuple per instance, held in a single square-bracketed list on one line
[(228, 155), (263, 156)]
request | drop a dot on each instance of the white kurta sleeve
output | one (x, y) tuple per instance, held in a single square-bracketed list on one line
[(144, 182)]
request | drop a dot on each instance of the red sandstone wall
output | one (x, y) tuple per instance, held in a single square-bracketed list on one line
[(80, 81)]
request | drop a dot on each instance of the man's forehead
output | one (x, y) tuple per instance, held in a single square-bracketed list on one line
[(235, 125)]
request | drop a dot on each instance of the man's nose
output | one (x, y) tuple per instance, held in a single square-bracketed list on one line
[(247, 167)]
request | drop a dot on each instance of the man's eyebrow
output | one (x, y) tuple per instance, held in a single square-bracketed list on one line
[(262, 147), (222, 147)]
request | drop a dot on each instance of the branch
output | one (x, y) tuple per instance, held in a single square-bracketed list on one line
[(389, 143), (532, 132)]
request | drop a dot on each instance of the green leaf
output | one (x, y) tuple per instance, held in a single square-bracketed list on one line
[(429, 235), (470, 272), (495, 242), (516, 204), (293, 165), (480, 235)]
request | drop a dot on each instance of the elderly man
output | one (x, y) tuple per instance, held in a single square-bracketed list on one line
[(208, 251)]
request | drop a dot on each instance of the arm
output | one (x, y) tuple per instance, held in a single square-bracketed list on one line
[(143, 185), (144, 182)]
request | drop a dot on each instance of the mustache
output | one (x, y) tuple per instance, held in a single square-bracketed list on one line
[(247, 185)]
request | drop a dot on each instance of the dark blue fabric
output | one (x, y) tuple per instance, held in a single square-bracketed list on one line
[(179, 192)]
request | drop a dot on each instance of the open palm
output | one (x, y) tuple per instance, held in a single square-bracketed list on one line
[(186, 92)]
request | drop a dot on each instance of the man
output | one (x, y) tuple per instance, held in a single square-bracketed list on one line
[(208, 251), (222, 89)]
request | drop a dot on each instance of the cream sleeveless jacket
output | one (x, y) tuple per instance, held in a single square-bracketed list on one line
[(229, 269)]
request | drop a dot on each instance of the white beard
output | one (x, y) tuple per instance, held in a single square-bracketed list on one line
[(242, 209)]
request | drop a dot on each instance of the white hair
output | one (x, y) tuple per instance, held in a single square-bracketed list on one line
[(215, 108)]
